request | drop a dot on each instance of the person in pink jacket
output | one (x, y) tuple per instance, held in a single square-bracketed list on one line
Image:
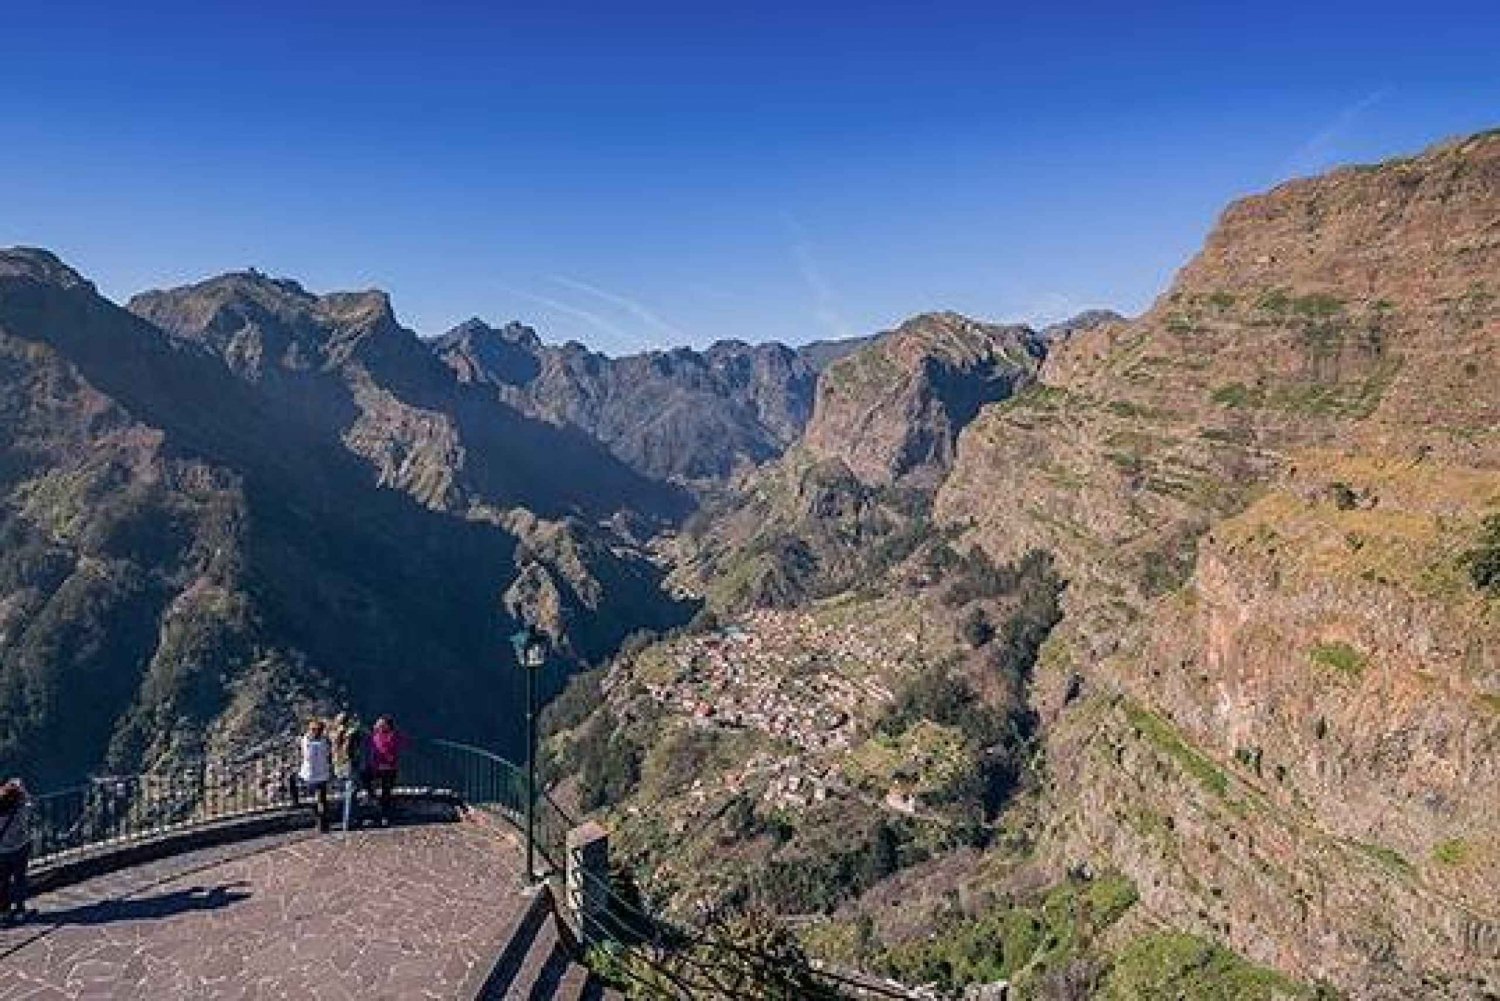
[(386, 745)]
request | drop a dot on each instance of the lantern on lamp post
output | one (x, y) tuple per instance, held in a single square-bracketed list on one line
[(531, 654)]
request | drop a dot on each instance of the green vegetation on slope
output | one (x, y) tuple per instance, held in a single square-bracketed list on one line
[(1030, 943), (1339, 656), (1166, 738), (1172, 966)]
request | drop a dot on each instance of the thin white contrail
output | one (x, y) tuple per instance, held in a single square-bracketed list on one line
[(650, 318), (1321, 149), (825, 299), (594, 320)]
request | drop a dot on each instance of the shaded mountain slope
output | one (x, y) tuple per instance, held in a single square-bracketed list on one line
[(345, 364), (195, 555), (343, 360), (820, 354)]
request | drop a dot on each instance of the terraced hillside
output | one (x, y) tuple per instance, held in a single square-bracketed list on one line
[(1269, 496)]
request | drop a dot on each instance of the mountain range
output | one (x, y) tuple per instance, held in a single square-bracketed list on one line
[(679, 414), (1127, 657), (229, 501)]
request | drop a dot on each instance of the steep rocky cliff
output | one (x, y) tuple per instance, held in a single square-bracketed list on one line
[(1267, 494), (683, 414), (1200, 636)]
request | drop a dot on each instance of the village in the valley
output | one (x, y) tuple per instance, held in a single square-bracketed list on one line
[(812, 683)]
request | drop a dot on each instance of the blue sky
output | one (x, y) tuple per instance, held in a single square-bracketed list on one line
[(645, 174)]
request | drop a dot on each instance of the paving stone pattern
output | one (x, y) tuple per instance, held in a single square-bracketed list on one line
[(402, 912)]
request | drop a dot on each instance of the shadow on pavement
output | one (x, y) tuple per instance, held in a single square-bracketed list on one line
[(406, 813), (162, 905)]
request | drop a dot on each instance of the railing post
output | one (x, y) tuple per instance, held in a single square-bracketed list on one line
[(530, 776), (586, 880)]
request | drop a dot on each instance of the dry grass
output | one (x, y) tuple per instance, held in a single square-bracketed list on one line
[(1410, 529)]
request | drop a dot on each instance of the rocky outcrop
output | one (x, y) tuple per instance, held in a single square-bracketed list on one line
[(1087, 320), (820, 354), (679, 414), (1262, 492), (892, 411), (703, 415)]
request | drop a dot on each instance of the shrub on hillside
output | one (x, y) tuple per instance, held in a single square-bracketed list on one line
[(1000, 729), (1483, 560), (677, 759), (975, 628), (574, 704), (1040, 942), (829, 864), (607, 760), (1038, 609), (973, 576), (942, 697)]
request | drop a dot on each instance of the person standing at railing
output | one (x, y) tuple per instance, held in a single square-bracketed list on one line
[(15, 850), (349, 766), (386, 745), (316, 770)]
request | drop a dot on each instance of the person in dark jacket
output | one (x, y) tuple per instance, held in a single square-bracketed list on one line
[(15, 850)]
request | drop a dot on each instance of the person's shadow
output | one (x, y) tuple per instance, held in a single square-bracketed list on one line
[(162, 905)]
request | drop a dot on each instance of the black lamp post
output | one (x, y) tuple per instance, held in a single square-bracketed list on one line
[(531, 654)]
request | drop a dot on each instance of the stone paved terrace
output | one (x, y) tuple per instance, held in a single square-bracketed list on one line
[(403, 912)]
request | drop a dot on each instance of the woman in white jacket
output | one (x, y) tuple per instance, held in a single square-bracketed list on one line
[(316, 770)]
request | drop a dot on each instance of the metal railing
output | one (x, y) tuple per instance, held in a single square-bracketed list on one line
[(113, 810), (658, 958), (486, 781), (119, 809)]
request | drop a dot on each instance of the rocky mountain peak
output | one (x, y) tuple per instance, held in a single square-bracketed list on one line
[(257, 322), (42, 266), (1356, 305), (957, 339), (1086, 320), (476, 331), (1407, 228), (371, 307), (477, 352), (893, 410)]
